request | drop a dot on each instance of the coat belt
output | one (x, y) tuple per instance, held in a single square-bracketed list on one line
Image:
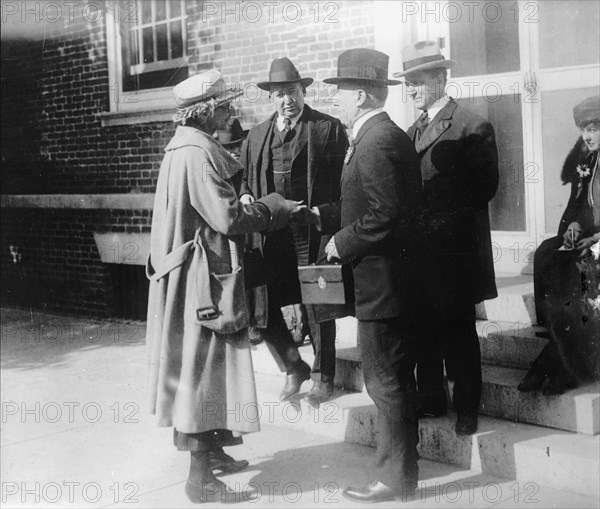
[(171, 261)]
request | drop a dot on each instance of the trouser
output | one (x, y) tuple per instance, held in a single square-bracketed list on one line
[(280, 338), (205, 441), (388, 368), (453, 338)]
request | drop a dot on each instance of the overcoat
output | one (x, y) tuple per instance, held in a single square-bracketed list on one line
[(381, 189), (459, 168), (323, 142), (199, 380)]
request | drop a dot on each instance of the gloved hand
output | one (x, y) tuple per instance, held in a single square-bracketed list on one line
[(572, 235)]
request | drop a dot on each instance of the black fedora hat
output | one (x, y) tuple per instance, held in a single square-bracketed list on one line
[(232, 134), (363, 65), (282, 72)]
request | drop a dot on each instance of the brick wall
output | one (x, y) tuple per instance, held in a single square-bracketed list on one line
[(53, 141), (245, 44)]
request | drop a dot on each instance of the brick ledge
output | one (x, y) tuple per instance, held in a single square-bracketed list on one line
[(109, 119), (123, 201)]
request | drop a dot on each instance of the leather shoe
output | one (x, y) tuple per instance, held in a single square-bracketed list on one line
[(320, 392), (466, 424), (293, 382), (225, 463), (376, 491)]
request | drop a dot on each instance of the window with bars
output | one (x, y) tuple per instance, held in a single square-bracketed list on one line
[(153, 45)]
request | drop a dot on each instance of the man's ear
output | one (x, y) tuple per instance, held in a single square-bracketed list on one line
[(361, 97)]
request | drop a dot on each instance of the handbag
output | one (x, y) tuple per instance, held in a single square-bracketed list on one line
[(220, 299)]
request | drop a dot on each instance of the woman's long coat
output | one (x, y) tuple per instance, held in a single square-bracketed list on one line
[(199, 380)]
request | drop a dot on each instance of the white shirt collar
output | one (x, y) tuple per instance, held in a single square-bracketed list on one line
[(435, 108), (294, 120), (361, 121)]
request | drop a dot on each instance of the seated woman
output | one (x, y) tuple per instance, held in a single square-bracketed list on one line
[(565, 271)]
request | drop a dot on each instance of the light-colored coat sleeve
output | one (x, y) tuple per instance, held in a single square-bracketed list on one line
[(215, 199)]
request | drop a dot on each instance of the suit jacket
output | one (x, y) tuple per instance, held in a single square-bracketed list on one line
[(459, 166), (381, 187), (320, 149)]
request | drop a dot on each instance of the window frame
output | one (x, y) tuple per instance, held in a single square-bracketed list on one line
[(120, 101)]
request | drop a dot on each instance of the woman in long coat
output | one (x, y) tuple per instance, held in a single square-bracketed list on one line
[(201, 381)]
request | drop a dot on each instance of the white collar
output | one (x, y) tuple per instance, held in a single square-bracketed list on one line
[(361, 120), (435, 108), (294, 120)]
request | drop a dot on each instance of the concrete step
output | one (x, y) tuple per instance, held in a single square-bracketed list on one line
[(510, 344), (560, 459), (515, 301), (576, 410)]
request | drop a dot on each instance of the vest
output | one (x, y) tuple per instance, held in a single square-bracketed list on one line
[(288, 177)]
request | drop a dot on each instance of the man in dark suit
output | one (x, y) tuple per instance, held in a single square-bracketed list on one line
[(298, 152), (381, 186), (459, 168)]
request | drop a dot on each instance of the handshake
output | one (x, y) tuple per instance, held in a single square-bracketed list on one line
[(299, 213)]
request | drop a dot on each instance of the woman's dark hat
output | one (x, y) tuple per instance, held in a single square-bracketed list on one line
[(422, 56), (362, 66), (233, 134), (282, 72), (587, 111)]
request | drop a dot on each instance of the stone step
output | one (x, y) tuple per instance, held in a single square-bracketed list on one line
[(515, 301), (576, 410), (534, 454), (510, 344)]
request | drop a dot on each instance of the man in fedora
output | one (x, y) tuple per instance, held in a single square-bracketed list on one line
[(297, 152), (232, 137), (459, 167), (381, 186)]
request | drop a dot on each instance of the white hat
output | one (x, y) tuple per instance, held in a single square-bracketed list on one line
[(421, 56), (200, 87)]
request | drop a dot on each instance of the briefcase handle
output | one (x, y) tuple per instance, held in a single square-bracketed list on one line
[(324, 259)]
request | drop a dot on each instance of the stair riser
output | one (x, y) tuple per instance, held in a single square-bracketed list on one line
[(514, 350), (494, 453), (580, 413)]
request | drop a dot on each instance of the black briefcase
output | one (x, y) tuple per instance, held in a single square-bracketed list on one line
[(325, 284)]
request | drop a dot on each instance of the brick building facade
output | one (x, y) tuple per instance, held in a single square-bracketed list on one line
[(78, 170), (87, 107)]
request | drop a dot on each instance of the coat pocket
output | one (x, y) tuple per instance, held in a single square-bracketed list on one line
[(220, 299)]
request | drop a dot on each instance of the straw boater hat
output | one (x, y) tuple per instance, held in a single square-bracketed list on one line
[(362, 66), (201, 94), (233, 134), (422, 56), (283, 72), (587, 111)]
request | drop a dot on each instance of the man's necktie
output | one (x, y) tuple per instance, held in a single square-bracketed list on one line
[(286, 128), (422, 123)]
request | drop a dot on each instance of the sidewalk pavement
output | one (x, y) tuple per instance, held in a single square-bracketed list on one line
[(75, 433)]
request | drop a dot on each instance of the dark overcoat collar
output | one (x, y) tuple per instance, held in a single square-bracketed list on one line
[(441, 122), (311, 132)]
